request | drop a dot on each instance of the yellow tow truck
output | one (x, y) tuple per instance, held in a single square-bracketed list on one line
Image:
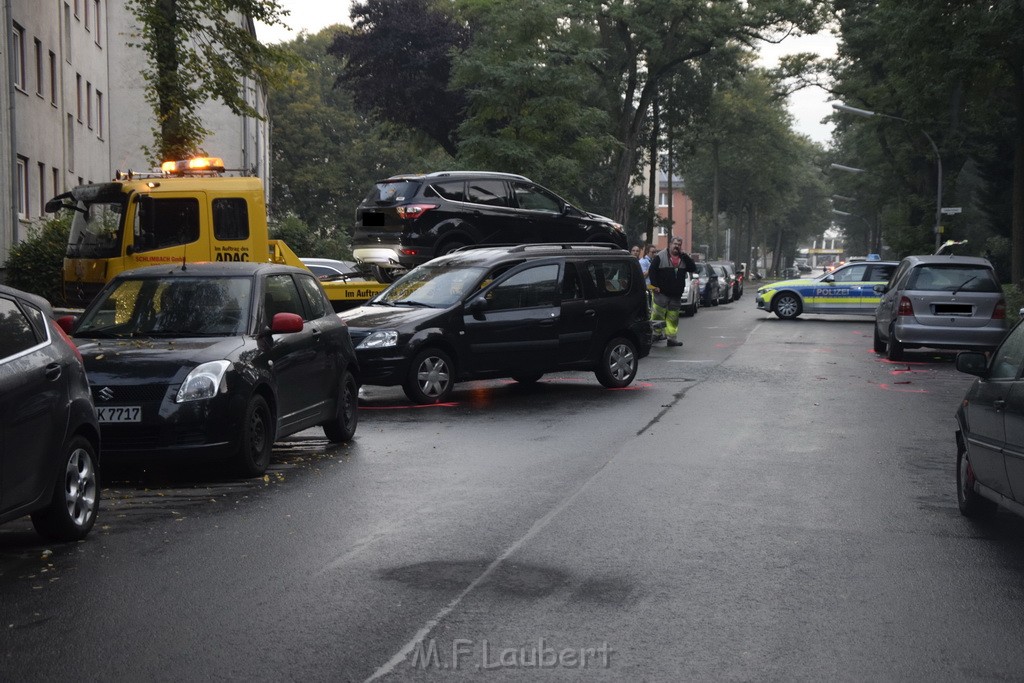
[(191, 211)]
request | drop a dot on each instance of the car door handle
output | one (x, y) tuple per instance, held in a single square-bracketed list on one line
[(590, 313), (53, 372), (547, 322), (998, 404)]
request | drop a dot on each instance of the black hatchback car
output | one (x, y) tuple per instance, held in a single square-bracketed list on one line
[(49, 436), (406, 220), (518, 312), (216, 360)]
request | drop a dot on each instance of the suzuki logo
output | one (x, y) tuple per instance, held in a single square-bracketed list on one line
[(106, 393)]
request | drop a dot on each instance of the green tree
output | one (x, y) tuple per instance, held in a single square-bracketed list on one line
[(964, 87), (198, 51), (326, 156), (529, 111), (397, 62), (35, 264)]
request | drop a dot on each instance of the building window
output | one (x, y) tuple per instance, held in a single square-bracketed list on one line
[(88, 104), (662, 231), (77, 7), (42, 189), (39, 67), (71, 142), (56, 181), (99, 114), (86, 22), (78, 94), (22, 187), (18, 55), (67, 32), (663, 199), (53, 79), (96, 19)]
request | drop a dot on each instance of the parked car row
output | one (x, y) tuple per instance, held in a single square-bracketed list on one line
[(213, 361), (720, 283)]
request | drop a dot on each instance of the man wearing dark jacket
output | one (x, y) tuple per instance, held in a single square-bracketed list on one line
[(668, 274)]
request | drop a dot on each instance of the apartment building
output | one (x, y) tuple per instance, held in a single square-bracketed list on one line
[(75, 110)]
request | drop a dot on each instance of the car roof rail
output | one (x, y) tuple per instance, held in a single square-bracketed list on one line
[(569, 246)]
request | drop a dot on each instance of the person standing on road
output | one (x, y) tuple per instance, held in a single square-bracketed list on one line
[(645, 265), (668, 273)]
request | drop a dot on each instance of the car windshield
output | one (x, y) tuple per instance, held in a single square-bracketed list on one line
[(96, 230), (434, 285), (170, 307)]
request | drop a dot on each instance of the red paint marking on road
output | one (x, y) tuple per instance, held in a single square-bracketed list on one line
[(903, 391), (411, 405), (901, 362)]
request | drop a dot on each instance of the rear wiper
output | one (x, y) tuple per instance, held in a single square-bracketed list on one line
[(964, 283)]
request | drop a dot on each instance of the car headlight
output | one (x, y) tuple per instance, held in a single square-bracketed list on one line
[(205, 381), (380, 339)]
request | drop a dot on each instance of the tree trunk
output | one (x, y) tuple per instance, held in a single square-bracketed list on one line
[(714, 191), (1017, 264), (173, 144), (653, 191)]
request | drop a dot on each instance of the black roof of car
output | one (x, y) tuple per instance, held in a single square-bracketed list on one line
[(225, 269), (491, 252), (453, 175)]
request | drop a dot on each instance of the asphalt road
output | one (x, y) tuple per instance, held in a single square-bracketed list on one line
[(771, 501)]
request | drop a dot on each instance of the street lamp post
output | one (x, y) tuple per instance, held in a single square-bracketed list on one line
[(938, 160)]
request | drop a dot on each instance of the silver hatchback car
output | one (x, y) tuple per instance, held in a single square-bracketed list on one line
[(944, 302)]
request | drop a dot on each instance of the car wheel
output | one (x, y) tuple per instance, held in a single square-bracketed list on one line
[(449, 247), (879, 344), (343, 427), (787, 305), (72, 509), (971, 504), (431, 377), (894, 350), (528, 377), (618, 364), (253, 457)]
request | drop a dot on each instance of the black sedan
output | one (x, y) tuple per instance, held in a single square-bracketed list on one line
[(49, 436), (216, 360)]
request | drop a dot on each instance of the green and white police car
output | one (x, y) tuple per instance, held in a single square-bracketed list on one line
[(848, 290)]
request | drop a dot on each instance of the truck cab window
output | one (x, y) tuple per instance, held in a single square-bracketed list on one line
[(230, 219), (96, 230), (168, 222)]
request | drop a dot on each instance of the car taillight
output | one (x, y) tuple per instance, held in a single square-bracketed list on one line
[(414, 210), (905, 307), (70, 343), (1000, 311)]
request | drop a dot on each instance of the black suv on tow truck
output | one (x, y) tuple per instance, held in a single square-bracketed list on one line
[(406, 220)]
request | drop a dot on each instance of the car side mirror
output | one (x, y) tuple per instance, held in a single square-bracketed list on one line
[(286, 323), (973, 363), (477, 306), (829, 278), (880, 289)]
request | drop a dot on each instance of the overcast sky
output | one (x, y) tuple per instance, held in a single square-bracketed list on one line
[(808, 106)]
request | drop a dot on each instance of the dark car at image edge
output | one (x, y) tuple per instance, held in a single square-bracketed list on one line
[(408, 219), (49, 434)]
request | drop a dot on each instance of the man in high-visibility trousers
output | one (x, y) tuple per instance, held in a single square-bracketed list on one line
[(668, 273)]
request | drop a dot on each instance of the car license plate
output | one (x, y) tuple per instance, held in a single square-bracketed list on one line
[(120, 414)]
